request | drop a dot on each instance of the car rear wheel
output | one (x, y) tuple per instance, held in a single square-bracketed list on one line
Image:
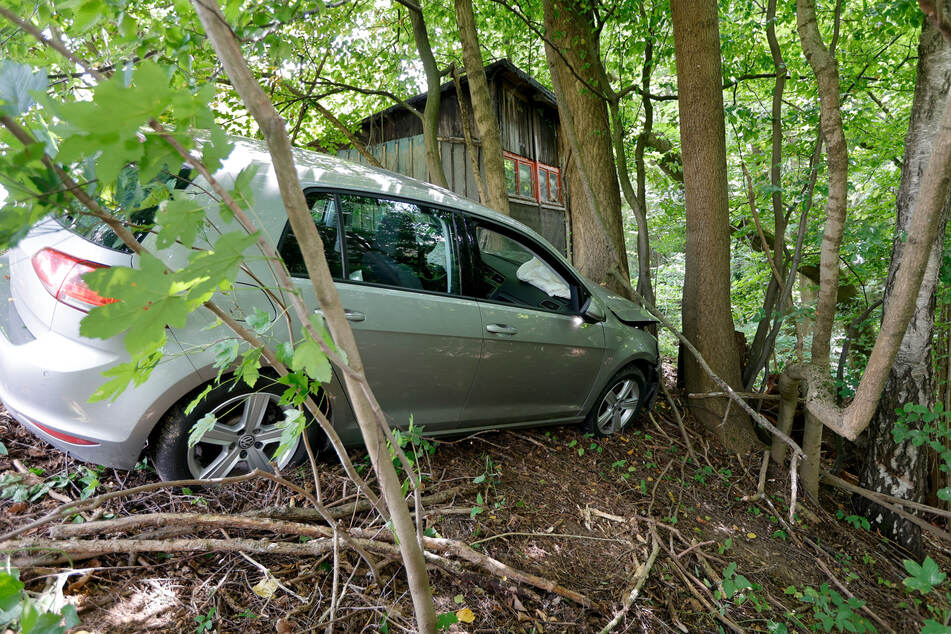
[(618, 404), (245, 436)]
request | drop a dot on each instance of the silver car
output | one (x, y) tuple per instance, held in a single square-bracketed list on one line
[(465, 320)]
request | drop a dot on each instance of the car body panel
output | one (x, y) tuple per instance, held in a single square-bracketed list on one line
[(545, 369)]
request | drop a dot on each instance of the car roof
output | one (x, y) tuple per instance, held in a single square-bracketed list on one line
[(325, 170)]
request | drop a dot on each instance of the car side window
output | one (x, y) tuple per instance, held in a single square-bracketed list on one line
[(398, 244), (512, 272), (323, 209)]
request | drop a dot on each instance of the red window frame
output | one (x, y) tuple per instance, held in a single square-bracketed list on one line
[(537, 170)]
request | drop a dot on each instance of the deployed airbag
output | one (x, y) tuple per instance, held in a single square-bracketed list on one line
[(542, 277)]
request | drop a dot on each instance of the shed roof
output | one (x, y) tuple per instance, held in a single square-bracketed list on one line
[(503, 66)]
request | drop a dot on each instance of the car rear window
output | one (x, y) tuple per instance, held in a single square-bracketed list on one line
[(128, 194)]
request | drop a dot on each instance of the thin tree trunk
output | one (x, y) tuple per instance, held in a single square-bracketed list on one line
[(595, 200), (471, 149), (644, 286), (825, 68), (272, 126), (774, 299), (486, 119), (901, 469), (707, 317), (433, 97)]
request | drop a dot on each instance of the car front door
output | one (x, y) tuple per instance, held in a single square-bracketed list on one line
[(540, 358), (397, 274)]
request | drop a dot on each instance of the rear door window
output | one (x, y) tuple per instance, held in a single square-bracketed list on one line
[(323, 209), (397, 243)]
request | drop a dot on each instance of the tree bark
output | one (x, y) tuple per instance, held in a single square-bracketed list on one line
[(486, 119), (591, 171), (901, 469), (825, 68), (707, 318), (363, 403), (433, 97), (776, 297)]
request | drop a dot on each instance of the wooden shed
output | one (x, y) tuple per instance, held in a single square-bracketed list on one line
[(528, 117)]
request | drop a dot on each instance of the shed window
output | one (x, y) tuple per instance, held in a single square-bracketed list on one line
[(526, 178)]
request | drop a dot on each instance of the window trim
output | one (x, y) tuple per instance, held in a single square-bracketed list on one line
[(537, 168)]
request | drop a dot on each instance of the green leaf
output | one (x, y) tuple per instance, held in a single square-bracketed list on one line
[(16, 83), (217, 268), (201, 427), (292, 427), (3, 450), (923, 577), (148, 301), (445, 621), (136, 372), (933, 627), (248, 370), (311, 359), (11, 594), (259, 320), (216, 149), (180, 219), (195, 401)]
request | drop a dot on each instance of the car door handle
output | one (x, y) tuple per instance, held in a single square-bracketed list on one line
[(502, 329), (351, 315)]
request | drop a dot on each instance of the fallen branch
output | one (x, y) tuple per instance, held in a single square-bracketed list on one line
[(875, 496), (86, 505), (881, 500), (754, 396), (346, 510), (370, 540), (640, 577)]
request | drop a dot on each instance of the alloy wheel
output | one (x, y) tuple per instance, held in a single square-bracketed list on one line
[(618, 406), (244, 438)]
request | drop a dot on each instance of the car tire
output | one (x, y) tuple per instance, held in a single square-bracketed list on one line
[(245, 436), (618, 404)]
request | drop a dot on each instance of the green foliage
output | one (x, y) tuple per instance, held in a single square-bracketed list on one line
[(446, 620), (923, 577), (920, 425), (734, 585), (856, 521), (206, 622), (201, 427), (20, 612), (831, 611)]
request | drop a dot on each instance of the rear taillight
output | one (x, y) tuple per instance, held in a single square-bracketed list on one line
[(62, 276)]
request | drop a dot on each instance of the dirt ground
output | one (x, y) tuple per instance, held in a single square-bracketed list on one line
[(584, 513)]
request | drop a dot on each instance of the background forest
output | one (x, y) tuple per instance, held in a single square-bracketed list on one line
[(747, 170)]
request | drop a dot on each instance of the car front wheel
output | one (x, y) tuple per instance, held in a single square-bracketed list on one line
[(618, 404)]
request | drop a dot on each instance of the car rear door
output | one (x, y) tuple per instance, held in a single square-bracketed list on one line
[(397, 274), (540, 358)]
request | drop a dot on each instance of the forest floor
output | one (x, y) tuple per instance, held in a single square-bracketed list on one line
[(583, 512)]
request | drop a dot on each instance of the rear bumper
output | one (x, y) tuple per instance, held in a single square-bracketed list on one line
[(47, 379)]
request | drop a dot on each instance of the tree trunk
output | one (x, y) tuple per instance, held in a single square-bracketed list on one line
[(892, 468), (775, 300), (486, 119), (824, 66), (433, 98), (707, 318), (644, 285), (362, 400), (570, 23)]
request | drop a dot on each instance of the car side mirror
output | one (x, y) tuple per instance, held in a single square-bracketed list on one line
[(592, 311)]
